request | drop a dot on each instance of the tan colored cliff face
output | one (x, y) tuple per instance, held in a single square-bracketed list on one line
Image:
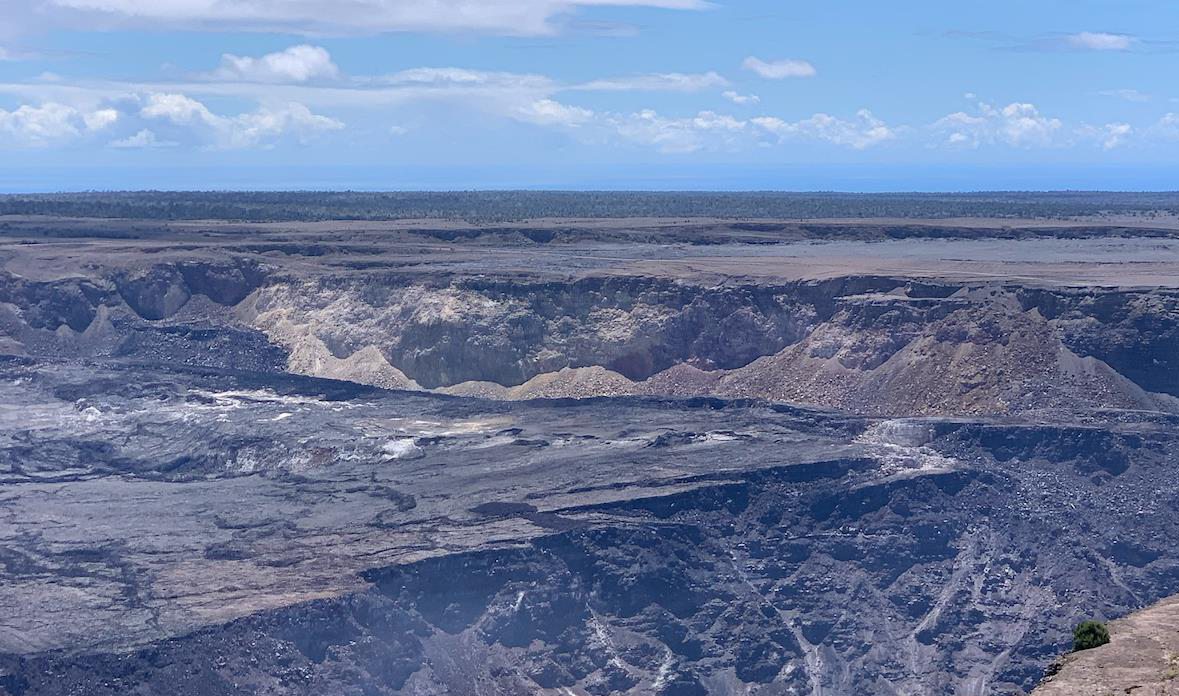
[(890, 351), (1142, 659), (981, 322)]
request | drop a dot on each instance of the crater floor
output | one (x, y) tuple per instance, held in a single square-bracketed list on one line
[(578, 457)]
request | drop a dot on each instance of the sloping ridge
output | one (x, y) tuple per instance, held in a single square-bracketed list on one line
[(1142, 658)]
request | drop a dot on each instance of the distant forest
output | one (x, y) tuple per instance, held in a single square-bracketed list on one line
[(498, 206)]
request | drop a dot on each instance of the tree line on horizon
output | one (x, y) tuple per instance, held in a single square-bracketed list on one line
[(501, 206)]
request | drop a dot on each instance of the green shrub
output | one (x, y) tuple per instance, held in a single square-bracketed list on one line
[(1089, 634)]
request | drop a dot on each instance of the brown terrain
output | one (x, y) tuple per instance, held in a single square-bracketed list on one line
[(1142, 658)]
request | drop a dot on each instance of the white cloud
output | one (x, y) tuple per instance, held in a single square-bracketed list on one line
[(705, 130), (177, 112), (520, 97), (1130, 95), (463, 77), (742, 99), (710, 120), (779, 69), (295, 64), (963, 129), (546, 112), (671, 82), (1100, 41), (1115, 134), (1170, 120), (1108, 136), (144, 139), (862, 132), (178, 109), (530, 99), (102, 118), (319, 17), (244, 130), (52, 122), (1022, 125), (251, 128), (34, 125), (1166, 128), (10, 54), (1017, 124)]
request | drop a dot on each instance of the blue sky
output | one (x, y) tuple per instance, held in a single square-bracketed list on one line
[(652, 94)]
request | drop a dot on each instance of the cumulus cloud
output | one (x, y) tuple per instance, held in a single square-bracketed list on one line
[(1115, 134), (1100, 41), (317, 17), (144, 139), (779, 69), (178, 109), (705, 130), (295, 64), (1166, 128), (671, 82), (52, 122), (742, 99), (40, 124), (244, 130), (546, 112), (864, 131), (710, 120), (1108, 136), (167, 114), (1017, 124), (102, 118), (1023, 125)]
